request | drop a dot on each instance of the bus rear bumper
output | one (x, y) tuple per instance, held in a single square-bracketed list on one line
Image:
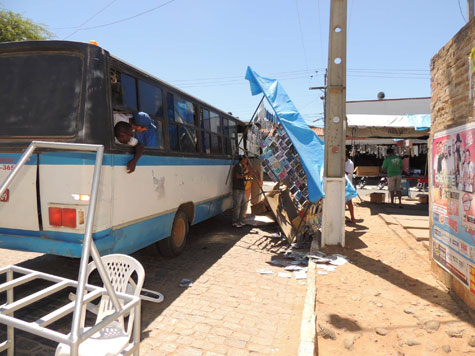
[(42, 244)]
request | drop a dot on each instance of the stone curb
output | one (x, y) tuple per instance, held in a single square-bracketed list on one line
[(308, 332)]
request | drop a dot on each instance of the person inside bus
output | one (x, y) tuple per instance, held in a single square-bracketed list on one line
[(124, 133), (120, 115), (145, 129)]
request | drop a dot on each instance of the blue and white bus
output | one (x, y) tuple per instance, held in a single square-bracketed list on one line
[(68, 92)]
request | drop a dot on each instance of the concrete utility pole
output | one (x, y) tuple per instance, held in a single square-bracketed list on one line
[(333, 224), (469, 10)]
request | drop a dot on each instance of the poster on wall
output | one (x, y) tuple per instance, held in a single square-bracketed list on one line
[(453, 202), (471, 75)]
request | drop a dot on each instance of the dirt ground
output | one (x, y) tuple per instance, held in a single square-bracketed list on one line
[(386, 301)]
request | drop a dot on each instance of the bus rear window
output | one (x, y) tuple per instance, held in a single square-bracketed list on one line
[(39, 95)]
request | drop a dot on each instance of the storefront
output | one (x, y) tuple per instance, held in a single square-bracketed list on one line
[(370, 136), (368, 157)]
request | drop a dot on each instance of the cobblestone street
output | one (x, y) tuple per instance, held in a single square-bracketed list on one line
[(230, 309)]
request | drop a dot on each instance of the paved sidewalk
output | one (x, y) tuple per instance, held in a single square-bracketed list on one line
[(414, 218), (230, 309)]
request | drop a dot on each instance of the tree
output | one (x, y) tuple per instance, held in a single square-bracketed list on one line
[(15, 27)]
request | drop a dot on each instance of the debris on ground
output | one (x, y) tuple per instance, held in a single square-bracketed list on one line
[(185, 283), (295, 260), (265, 271), (300, 274)]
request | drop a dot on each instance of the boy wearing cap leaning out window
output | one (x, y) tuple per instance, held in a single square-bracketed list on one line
[(145, 129), (124, 134)]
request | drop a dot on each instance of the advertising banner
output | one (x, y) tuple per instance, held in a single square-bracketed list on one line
[(453, 202)]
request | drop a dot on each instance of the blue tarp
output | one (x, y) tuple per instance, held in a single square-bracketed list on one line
[(420, 121), (308, 145)]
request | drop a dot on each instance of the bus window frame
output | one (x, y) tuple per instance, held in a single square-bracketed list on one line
[(223, 136), (160, 120), (166, 88), (137, 77), (184, 124)]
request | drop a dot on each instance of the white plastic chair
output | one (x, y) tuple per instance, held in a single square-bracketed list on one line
[(113, 339)]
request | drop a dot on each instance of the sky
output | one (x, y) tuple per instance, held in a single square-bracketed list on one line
[(205, 46)]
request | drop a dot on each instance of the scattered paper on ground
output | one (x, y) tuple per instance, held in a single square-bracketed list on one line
[(300, 274), (265, 271)]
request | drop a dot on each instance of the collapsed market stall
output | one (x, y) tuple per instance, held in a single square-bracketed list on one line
[(292, 156)]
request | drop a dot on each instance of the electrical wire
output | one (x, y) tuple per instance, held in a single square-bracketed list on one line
[(301, 36), (300, 74), (203, 83), (128, 18), (229, 82), (349, 16), (461, 12), (239, 77), (320, 31), (78, 28)]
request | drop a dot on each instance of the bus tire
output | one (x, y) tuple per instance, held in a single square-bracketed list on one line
[(175, 244)]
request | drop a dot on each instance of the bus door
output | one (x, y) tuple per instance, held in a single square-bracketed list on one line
[(18, 204)]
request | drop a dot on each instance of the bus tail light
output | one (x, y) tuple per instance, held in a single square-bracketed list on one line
[(56, 216), (67, 217)]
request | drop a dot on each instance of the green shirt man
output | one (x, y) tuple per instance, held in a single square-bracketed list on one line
[(393, 165)]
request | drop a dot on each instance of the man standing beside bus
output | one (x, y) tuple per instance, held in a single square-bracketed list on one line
[(239, 192)]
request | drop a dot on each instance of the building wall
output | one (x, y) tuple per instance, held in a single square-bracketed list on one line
[(451, 107)]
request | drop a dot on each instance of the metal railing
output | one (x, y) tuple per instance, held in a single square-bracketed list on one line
[(38, 327)]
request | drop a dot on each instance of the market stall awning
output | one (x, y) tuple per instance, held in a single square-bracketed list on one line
[(388, 126)]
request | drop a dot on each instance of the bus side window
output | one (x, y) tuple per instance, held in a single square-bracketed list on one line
[(212, 129), (172, 128), (227, 141), (151, 102), (116, 89), (181, 124), (205, 128), (129, 91), (216, 139), (233, 137), (216, 144), (124, 91)]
